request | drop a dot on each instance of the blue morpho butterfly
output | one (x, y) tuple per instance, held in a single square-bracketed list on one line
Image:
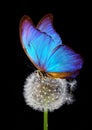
[(44, 48)]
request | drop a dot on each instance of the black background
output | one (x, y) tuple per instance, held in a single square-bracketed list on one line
[(70, 22)]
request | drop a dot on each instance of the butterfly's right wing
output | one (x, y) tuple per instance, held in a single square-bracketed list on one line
[(46, 25)]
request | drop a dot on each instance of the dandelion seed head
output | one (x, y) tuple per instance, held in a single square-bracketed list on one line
[(47, 93)]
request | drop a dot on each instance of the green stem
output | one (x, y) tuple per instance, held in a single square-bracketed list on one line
[(46, 119)]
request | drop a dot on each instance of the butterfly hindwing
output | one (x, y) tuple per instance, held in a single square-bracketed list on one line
[(64, 60)]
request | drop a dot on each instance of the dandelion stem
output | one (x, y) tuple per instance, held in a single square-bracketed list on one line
[(45, 119)]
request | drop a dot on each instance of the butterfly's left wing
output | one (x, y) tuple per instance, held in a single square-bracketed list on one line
[(63, 62), (46, 25), (37, 45)]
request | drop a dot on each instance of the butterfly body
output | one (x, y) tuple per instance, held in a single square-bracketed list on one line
[(45, 50)]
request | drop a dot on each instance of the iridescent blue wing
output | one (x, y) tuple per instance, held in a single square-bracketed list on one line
[(45, 52), (64, 60), (37, 45), (46, 25)]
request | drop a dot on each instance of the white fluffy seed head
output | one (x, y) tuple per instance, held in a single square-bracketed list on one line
[(47, 93)]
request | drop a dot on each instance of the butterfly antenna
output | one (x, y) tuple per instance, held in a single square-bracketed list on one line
[(31, 67)]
